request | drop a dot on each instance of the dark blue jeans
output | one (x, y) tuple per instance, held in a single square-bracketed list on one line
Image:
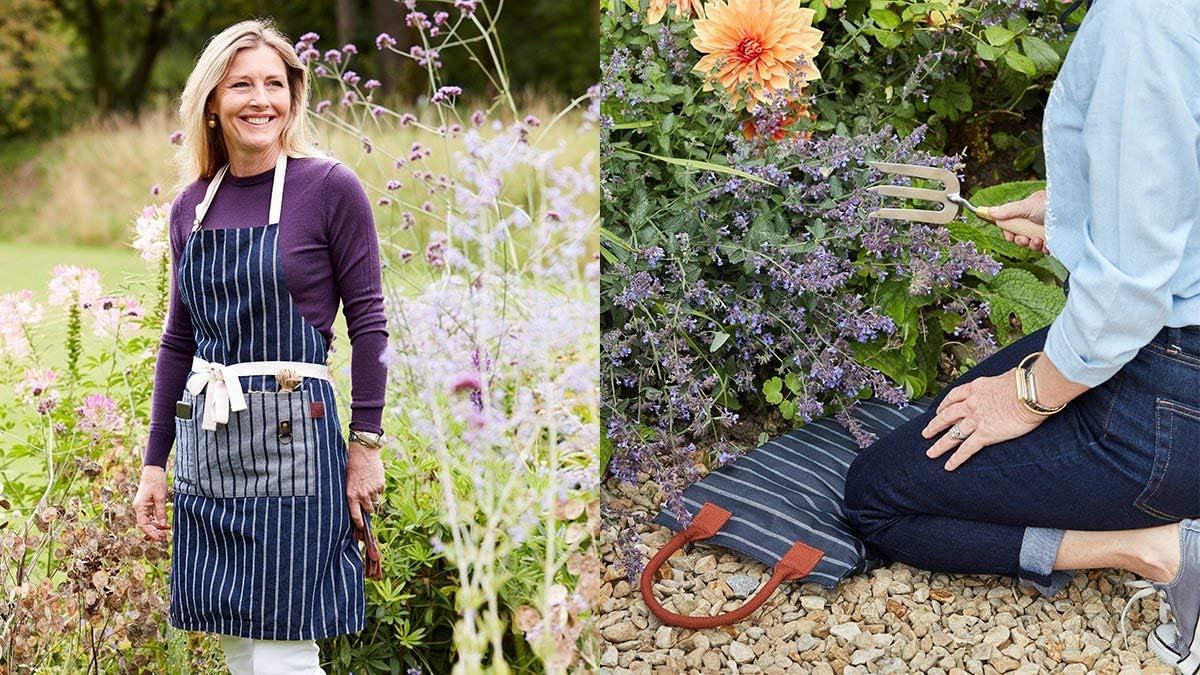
[(1123, 455)]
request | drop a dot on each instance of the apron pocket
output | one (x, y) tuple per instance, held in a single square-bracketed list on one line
[(1173, 489), (266, 450)]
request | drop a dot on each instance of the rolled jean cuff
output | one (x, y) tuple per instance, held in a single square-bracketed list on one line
[(1039, 548)]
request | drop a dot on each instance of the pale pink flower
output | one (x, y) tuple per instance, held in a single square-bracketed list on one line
[(35, 383), (113, 316), (150, 231), (99, 416), (18, 312), (72, 284)]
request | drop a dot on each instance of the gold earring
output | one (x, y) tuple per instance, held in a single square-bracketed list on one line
[(212, 121)]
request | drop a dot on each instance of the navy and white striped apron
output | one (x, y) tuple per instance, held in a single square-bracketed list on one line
[(262, 537)]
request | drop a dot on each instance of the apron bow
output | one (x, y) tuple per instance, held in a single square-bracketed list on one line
[(224, 393)]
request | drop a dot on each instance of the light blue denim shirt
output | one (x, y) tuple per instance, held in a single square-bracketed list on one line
[(1122, 144)]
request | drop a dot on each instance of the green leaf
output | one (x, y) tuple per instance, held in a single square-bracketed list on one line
[(985, 51), (997, 35), (633, 4), (1020, 63), (887, 39), (772, 389), (1018, 292), (818, 8), (634, 125), (718, 340), (792, 382), (788, 408), (885, 18), (704, 166), (1041, 53)]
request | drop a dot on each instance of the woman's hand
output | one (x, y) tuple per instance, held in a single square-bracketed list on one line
[(150, 503), (1031, 208), (987, 411), (364, 481)]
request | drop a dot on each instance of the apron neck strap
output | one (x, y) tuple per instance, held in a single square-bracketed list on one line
[(276, 192), (277, 188)]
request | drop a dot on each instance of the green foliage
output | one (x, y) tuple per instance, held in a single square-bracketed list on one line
[(971, 71), (40, 84), (713, 302)]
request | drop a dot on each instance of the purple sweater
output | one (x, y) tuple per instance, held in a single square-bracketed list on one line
[(330, 253)]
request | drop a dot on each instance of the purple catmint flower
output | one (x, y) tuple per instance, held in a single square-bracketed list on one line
[(444, 94), (407, 119), (465, 382), (349, 99), (478, 118), (532, 121), (425, 57), (176, 137), (322, 106), (349, 49), (371, 84), (333, 55), (467, 7), (418, 20), (350, 77), (435, 253), (439, 18), (393, 185), (320, 71), (310, 37), (384, 40)]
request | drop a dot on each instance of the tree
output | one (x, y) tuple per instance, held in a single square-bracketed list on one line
[(119, 77)]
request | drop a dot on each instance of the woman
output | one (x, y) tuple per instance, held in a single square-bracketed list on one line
[(266, 241), (1097, 463)]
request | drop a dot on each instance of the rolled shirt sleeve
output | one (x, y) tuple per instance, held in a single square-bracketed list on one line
[(1140, 138)]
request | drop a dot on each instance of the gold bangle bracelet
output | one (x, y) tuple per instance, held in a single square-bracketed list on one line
[(1027, 389)]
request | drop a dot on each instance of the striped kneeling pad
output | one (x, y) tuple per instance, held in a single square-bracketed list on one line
[(781, 504)]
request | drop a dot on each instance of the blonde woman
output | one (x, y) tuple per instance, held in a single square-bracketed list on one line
[(267, 237)]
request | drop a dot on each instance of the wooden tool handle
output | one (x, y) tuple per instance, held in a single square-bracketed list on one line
[(1022, 226)]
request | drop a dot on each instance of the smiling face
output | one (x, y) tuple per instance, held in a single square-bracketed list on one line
[(252, 103)]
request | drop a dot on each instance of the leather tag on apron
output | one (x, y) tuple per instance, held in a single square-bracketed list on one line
[(316, 409), (183, 410)]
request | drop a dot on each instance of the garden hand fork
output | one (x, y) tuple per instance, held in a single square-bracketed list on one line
[(949, 198)]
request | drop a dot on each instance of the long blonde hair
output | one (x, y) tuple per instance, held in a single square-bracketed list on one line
[(203, 150)]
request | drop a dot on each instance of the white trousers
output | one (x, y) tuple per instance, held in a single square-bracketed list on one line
[(271, 657)]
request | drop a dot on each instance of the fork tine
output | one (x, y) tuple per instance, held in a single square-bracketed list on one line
[(908, 192), (920, 215), (916, 171)]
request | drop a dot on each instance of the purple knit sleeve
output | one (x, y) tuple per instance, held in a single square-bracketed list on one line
[(354, 252), (174, 354)]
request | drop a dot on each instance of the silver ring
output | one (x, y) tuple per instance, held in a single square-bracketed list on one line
[(957, 433)]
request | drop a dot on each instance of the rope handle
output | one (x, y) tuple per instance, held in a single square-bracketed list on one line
[(797, 563)]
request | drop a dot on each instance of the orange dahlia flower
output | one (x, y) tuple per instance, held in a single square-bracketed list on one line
[(760, 45), (683, 8)]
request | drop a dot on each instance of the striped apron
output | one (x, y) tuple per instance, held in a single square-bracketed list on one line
[(262, 535)]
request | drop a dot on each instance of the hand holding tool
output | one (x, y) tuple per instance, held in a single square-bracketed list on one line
[(949, 197)]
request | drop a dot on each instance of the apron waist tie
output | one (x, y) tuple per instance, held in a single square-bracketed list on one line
[(225, 389)]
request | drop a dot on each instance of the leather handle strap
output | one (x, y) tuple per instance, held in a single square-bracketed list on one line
[(797, 563), (372, 563)]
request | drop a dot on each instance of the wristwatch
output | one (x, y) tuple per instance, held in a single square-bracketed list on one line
[(1027, 387), (366, 439)]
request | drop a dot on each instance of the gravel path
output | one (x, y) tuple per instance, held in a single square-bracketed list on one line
[(894, 620)]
